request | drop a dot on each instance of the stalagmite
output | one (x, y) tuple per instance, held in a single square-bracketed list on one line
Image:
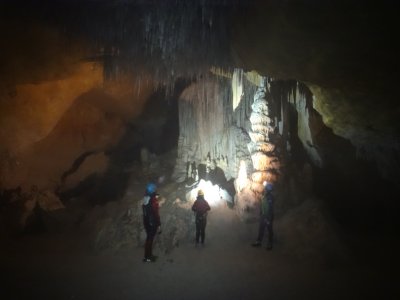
[(266, 165)]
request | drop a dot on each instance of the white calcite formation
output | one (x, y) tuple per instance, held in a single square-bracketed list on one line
[(265, 163), (304, 131), (210, 133)]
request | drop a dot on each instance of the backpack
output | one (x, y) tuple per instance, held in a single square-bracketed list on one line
[(201, 209), (267, 206)]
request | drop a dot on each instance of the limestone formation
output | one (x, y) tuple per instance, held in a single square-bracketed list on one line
[(209, 136), (265, 162)]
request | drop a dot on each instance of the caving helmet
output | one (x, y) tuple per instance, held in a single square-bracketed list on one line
[(150, 188), (200, 193), (269, 187)]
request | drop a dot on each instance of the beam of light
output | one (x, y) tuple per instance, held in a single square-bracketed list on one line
[(212, 193)]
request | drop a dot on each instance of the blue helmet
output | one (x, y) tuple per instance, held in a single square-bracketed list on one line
[(269, 187), (151, 188)]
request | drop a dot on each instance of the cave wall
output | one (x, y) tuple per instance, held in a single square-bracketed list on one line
[(307, 157), (67, 101), (338, 49), (60, 116), (236, 122), (212, 131), (57, 135), (48, 125)]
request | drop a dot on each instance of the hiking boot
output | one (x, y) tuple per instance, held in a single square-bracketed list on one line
[(147, 260), (153, 258), (256, 244)]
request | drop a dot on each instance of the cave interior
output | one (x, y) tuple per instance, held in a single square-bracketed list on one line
[(100, 97)]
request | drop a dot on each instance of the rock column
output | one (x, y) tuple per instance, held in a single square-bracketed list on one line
[(265, 163)]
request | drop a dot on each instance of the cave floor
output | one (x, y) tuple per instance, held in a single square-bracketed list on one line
[(51, 266)]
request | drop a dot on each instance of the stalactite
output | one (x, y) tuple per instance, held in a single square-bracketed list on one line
[(237, 87), (165, 39), (209, 126)]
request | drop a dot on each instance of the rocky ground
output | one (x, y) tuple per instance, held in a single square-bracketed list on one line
[(99, 256)]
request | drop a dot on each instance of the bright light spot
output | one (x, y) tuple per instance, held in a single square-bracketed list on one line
[(242, 180), (212, 193)]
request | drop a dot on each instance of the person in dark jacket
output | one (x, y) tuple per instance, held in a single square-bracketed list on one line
[(200, 208), (151, 220), (266, 217)]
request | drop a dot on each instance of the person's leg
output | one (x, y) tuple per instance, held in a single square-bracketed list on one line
[(261, 231), (198, 228), (270, 235), (148, 244), (148, 247), (203, 230)]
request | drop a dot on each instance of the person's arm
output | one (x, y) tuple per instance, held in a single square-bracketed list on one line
[(156, 213), (208, 206), (194, 206)]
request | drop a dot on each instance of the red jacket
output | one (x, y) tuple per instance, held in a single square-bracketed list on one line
[(200, 206), (151, 215)]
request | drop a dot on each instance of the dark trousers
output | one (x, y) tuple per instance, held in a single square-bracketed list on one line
[(148, 246), (200, 229), (264, 223)]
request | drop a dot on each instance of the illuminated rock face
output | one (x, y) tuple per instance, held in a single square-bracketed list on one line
[(211, 134), (262, 150), (274, 120), (217, 138), (307, 129), (51, 124)]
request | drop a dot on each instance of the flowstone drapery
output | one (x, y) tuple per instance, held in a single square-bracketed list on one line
[(211, 136)]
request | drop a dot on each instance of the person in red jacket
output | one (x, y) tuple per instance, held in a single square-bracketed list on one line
[(151, 220), (201, 208)]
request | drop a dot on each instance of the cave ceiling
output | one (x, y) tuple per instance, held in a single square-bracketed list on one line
[(337, 44), (345, 51)]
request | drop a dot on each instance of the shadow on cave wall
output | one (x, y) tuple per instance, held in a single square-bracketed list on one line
[(356, 194), (156, 129), (351, 188)]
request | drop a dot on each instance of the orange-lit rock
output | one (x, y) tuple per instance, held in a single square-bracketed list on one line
[(256, 187), (31, 114), (46, 126), (261, 147), (260, 177), (264, 162)]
